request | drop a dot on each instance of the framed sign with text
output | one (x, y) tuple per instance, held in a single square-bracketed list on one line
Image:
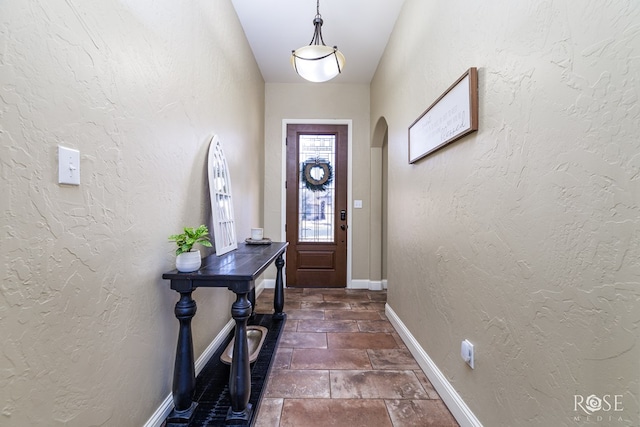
[(453, 115)]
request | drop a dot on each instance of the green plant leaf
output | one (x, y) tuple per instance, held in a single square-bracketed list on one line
[(190, 237)]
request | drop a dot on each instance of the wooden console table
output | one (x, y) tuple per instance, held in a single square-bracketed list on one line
[(236, 270)]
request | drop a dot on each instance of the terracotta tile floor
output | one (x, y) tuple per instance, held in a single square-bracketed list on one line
[(340, 363)]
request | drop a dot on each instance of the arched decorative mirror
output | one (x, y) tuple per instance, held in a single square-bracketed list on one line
[(224, 224)]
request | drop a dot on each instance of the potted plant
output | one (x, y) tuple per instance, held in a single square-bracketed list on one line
[(188, 260)]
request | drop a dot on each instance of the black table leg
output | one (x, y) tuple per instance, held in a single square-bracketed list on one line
[(278, 297), (252, 300), (240, 376), (184, 375)]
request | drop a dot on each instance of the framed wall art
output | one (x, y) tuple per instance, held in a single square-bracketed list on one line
[(453, 115)]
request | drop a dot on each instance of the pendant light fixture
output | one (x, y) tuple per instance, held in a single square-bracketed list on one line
[(317, 62)]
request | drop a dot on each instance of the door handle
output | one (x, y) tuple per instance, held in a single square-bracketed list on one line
[(343, 227)]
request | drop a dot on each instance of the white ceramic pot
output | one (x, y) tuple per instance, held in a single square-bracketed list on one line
[(187, 262)]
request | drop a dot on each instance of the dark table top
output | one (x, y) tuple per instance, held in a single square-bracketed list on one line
[(235, 270)]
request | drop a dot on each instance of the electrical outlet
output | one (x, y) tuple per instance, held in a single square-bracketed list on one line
[(466, 351)]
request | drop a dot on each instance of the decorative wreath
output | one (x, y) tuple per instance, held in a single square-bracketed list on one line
[(321, 183)]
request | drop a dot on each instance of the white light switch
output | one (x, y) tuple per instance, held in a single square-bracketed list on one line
[(68, 166), (357, 204)]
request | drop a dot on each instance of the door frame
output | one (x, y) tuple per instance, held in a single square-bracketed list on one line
[(283, 175)]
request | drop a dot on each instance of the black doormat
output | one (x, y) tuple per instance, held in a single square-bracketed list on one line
[(212, 384)]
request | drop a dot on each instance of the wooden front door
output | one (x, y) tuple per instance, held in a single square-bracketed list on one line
[(316, 225)]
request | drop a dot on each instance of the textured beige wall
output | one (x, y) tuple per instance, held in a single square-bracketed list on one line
[(523, 237), (88, 330), (318, 102)]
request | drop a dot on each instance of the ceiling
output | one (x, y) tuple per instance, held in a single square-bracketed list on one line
[(360, 29)]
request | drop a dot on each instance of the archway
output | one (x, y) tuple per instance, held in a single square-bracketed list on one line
[(378, 225)]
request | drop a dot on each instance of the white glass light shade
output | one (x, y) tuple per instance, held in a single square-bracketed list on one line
[(317, 63)]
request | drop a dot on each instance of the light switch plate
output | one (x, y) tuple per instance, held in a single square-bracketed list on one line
[(357, 204), (68, 166)]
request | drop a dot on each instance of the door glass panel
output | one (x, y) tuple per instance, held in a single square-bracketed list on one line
[(316, 191)]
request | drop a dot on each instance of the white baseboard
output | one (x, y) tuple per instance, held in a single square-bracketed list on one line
[(375, 285), (266, 284), (372, 285), (449, 395), (358, 284), (161, 413)]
